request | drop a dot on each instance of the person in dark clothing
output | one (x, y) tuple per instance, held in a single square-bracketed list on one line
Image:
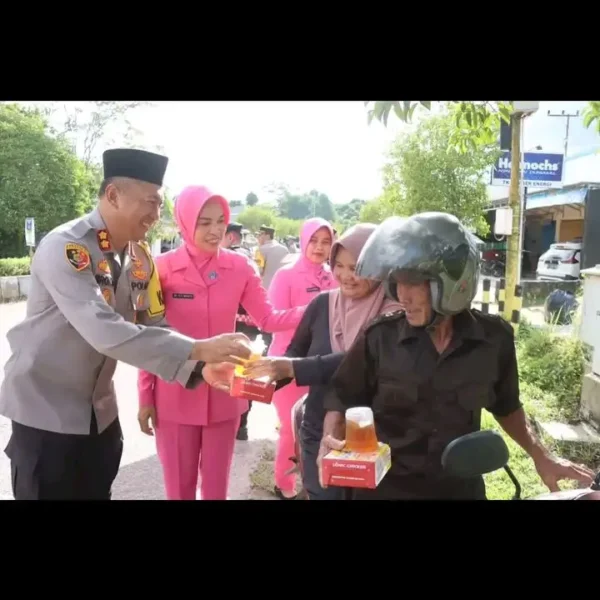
[(244, 323), (329, 325), (428, 371)]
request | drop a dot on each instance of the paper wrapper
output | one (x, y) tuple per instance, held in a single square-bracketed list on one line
[(356, 470), (252, 389)]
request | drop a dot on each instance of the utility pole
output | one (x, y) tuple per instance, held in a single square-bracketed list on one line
[(513, 244), (568, 117), (521, 109)]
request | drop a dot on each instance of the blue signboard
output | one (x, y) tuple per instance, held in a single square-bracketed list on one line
[(540, 169)]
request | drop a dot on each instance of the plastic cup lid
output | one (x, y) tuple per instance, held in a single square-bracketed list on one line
[(362, 415)]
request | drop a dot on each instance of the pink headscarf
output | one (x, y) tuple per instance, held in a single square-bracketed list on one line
[(310, 227), (188, 206), (347, 316)]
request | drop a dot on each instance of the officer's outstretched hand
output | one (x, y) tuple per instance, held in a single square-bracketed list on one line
[(147, 415), (227, 347)]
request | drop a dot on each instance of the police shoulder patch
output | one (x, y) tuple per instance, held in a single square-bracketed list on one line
[(77, 256), (384, 318)]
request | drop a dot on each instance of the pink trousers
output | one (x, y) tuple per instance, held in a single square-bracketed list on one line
[(187, 450), (284, 400)]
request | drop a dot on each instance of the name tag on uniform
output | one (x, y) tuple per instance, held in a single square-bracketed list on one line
[(104, 280), (313, 289), (183, 296)]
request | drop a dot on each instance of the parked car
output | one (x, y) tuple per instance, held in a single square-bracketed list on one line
[(560, 262)]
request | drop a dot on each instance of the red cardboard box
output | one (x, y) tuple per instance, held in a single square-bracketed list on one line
[(357, 470), (252, 389)]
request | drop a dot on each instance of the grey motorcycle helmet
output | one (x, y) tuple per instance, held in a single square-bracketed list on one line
[(431, 246)]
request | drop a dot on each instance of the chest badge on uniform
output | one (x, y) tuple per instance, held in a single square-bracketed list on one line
[(103, 240), (212, 275), (104, 266), (78, 256), (139, 274)]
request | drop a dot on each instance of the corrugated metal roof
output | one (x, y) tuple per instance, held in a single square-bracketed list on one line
[(574, 196)]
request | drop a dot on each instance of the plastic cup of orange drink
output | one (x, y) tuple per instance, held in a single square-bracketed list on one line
[(360, 430)]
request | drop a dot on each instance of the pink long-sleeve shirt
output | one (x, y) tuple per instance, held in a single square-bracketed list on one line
[(298, 283), (202, 306)]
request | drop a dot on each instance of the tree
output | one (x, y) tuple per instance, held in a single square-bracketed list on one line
[(476, 123), (105, 122), (255, 216), (251, 199), (40, 177), (424, 174), (591, 115), (304, 206), (166, 227), (348, 214)]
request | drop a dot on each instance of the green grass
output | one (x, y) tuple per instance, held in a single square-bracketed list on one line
[(551, 370)]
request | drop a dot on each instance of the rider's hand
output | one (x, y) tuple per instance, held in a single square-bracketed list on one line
[(552, 469), (219, 375), (227, 347), (328, 443), (275, 368), (147, 415)]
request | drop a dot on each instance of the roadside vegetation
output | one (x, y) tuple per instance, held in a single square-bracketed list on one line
[(12, 267), (551, 368)]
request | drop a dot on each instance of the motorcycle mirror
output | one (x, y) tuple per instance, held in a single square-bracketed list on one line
[(475, 454)]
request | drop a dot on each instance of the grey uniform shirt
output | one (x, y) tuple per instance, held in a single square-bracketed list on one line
[(273, 253), (78, 325)]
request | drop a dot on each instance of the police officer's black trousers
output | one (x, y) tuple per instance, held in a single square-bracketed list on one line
[(57, 466)]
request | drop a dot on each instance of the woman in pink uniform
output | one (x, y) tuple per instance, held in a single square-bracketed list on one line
[(202, 286), (296, 285)]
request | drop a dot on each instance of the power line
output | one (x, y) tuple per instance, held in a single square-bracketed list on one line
[(568, 117)]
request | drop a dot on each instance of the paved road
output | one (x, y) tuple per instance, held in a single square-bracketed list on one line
[(140, 476)]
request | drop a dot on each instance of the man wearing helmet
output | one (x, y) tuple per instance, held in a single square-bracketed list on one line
[(428, 371)]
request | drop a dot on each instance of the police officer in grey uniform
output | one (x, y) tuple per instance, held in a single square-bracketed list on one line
[(233, 239), (95, 299)]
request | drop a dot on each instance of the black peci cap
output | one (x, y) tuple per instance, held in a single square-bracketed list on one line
[(235, 227), (135, 164)]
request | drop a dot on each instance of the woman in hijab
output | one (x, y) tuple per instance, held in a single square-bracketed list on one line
[(297, 284), (203, 285), (330, 324)]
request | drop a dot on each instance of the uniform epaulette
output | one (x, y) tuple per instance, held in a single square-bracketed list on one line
[(493, 319), (385, 318)]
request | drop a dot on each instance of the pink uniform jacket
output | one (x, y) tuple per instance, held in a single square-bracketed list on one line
[(298, 283), (201, 304)]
